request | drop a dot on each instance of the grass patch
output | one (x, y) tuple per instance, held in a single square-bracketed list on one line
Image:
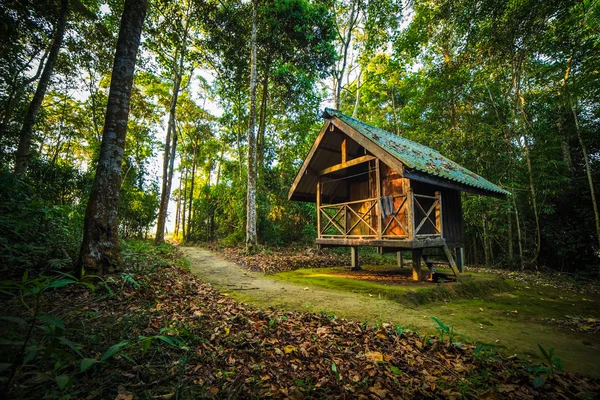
[(409, 293)]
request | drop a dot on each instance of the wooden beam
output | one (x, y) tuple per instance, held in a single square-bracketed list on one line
[(372, 147), (346, 164), (344, 150), (378, 210), (308, 157), (385, 243), (450, 258), (438, 213), (319, 207)]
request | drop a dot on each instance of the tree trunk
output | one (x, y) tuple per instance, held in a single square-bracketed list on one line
[(22, 154), (251, 239), (169, 159), (262, 121), (191, 205), (538, 244), (337, 101), (588, 170), (486, 254), (101, 250), (170, 149), (357, 100), (518, 225), (184, 205), (176, 229), (511, 254)]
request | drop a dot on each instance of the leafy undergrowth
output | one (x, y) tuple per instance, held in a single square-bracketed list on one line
[(156, 331), (272, 261)]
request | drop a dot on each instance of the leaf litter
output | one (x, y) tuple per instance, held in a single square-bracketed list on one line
[(232, 350)]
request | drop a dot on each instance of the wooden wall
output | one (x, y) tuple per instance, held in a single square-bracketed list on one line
[(452, 218)]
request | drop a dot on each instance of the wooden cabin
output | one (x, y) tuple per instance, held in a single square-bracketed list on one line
[(374, 188)]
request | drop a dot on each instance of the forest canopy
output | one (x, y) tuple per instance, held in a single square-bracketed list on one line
[(226, 101)]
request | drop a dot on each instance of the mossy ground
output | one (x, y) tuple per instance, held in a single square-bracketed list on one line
[(508, 315), (505, 314)]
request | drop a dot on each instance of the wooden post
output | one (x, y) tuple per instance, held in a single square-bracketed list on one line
[(400, 259), (410, 213), (354, 258), (416, 267), (378, 208), (438, 213), (319, 207), (460, 258), (344, 153)]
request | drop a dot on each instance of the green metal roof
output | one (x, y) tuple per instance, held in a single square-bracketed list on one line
[(417, 156)]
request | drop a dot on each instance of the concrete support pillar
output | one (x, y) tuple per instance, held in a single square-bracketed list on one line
[(460, 258), (354, 258), (417, 275)]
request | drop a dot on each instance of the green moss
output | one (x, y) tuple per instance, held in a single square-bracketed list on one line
[(410, 293)]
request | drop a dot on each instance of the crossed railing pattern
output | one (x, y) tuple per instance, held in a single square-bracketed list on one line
[(342, 219), (427, 220), (338, 218)]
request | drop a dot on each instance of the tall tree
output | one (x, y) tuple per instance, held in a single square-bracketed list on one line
[(177, 15), (251, 237), (101, 250), (22, 154)]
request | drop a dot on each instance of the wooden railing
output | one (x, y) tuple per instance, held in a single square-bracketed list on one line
[(415, 216), (342, 219), (429, 225)]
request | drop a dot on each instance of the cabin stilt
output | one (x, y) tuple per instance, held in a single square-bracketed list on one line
[(460, 259), (354, 258), (417, 274), (400, 259)]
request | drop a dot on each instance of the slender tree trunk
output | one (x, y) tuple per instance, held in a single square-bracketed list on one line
[(538, 243), (16, 90), (184, 205), (519, 239), (357, 100), (218, 177), (176, 229), (486, 253), (169, 154), (338, 85), (511, 255), (396, 127), (191, 204), (22, 154), (262, 121), (588, 171), (251, 238), (169, 159), (101, 250)]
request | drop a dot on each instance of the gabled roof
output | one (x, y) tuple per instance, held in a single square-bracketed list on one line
[(415, 161), (417, 156)]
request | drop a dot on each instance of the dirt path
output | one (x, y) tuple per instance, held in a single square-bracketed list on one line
[(521, 337), (255, 288)]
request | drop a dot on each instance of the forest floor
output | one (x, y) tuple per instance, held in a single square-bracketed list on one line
[(512, 316), (156, 330)]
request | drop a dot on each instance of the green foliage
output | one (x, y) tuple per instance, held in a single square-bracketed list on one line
[(40, 228), (448, 331)]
